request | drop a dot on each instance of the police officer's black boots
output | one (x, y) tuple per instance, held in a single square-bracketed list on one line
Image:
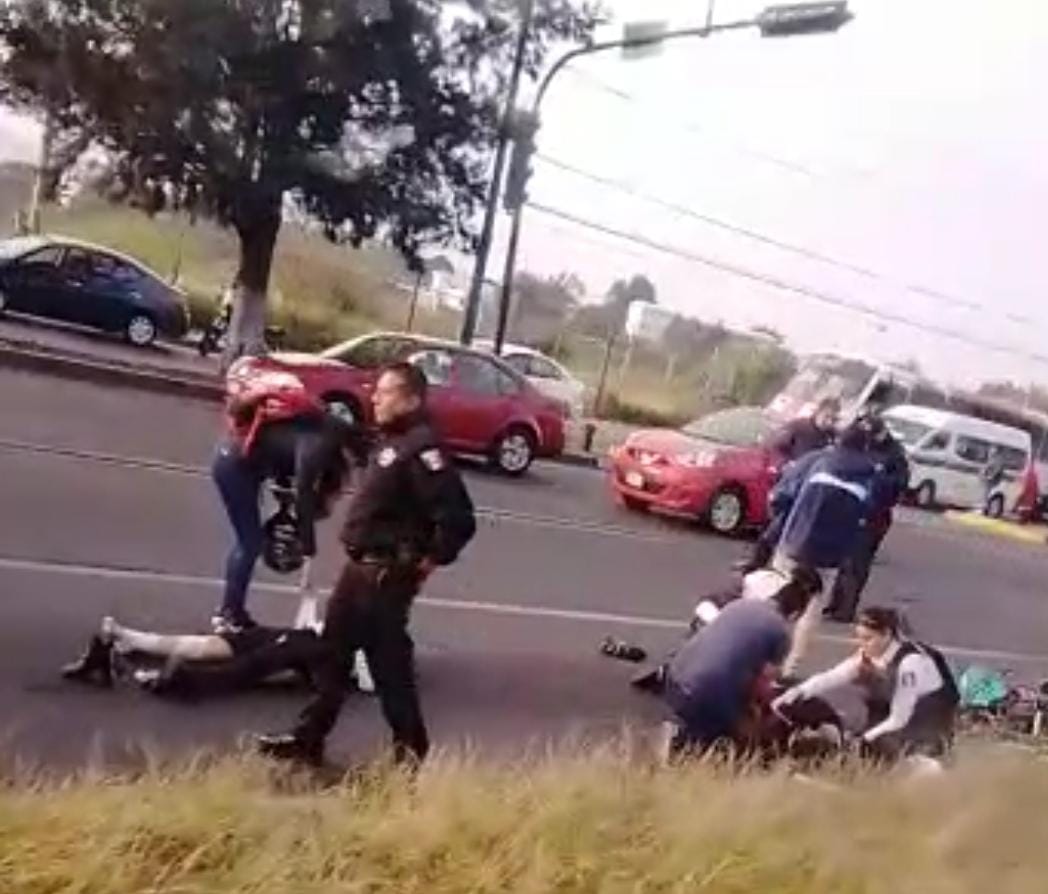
[(291, 747), (94, 666)]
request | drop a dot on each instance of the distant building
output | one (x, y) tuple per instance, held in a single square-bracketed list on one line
[(647, 322)]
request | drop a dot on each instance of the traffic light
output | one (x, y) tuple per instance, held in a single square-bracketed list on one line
[(522, 127), (803, 18), (516, 194)]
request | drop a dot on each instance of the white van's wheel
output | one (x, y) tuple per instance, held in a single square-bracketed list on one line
[(924, 496)]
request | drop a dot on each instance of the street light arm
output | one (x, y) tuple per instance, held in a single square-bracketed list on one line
[(547, 79), (830, 16), (625, 44)]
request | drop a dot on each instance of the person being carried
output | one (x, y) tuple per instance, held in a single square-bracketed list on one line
[(718, 675), (911, 696), (196, 665), (410, 515), (277, 432)]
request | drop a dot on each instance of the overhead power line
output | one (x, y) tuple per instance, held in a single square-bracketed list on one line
[(794, 167), (811, 254), (787, 286)]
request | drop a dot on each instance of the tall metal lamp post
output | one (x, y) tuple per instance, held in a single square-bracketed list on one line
[(775, 21)]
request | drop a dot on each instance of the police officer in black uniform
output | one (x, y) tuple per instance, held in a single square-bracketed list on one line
[(410, 515)]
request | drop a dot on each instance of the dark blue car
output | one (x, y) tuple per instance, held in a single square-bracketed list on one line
[(89, 286)]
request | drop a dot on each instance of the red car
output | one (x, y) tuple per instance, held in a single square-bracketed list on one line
[(479, 404), (716, 469)]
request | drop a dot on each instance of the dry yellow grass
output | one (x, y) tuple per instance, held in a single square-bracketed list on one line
[(567, 824)]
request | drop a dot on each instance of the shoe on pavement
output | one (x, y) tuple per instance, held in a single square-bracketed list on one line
[(290, 747), (148, 678), (223, 622), (653, 680), (94, 667)]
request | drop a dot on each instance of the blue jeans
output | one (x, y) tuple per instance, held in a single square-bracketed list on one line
[(705, 718), (239, 486)]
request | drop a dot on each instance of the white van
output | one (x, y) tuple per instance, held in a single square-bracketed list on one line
[(949, 452)]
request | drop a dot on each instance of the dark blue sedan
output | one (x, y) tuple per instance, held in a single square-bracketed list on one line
[(90, 286)]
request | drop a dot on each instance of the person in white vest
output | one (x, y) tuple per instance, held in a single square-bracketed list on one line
[(910, 692)]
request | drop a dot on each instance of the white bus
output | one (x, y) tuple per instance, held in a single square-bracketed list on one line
[(856, 382)]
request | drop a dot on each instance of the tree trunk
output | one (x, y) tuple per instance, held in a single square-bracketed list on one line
[(247, 327)]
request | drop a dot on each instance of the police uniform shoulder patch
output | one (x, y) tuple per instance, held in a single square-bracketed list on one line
[(386, 457), (432, 459)]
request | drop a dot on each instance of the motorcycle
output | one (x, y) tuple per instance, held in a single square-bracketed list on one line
[(992, 703), (215, 333)]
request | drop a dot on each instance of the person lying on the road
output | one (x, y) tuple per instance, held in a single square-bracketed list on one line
[(760, 584), (722, 670), (911, 695), (197, 665), (277, 431)]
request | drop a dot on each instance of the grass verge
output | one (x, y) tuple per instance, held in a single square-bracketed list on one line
[(595, 823)]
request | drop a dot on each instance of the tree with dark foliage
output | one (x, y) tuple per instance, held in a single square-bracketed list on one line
[(373, 117)]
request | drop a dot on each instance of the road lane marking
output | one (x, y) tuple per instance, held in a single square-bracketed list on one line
[(105, 572), (665, 534), (582, 526)]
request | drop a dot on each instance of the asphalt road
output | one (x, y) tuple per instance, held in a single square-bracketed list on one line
[(108, 509)]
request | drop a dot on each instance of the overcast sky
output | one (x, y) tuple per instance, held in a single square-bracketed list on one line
[(911, 144)]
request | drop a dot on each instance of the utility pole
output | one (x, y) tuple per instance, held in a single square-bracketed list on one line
[(524, 127), (414, 299), (43, 171), (609, 346), (476, 285)]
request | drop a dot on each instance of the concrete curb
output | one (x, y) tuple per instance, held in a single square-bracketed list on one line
[(998, 527), (87, 369), (579, 460), (84, 368)]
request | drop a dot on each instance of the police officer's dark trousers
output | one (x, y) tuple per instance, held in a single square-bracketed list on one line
[(854, 574), (369, 610)]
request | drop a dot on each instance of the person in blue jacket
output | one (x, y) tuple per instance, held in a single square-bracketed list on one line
[(831, 496)]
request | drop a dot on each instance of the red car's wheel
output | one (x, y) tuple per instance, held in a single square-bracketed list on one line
[(344, 406), (726, 513), (514, 451), (632, 503)]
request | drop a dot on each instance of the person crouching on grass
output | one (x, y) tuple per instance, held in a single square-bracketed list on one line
[(910, 693)]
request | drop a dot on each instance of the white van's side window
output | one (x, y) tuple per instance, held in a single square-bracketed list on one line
[(939, 441), (973, 450), (1014, 460)]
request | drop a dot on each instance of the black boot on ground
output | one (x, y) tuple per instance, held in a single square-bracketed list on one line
[(94, 666), (289, 747), (653, 680)]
